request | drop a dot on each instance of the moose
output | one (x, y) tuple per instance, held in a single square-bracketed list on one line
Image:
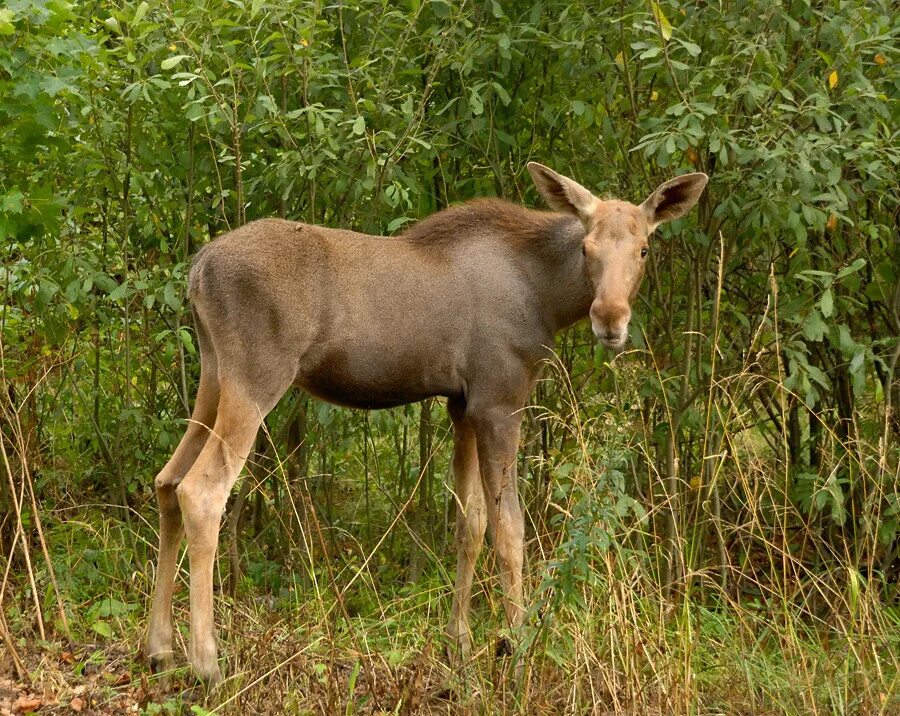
[(463, 305)]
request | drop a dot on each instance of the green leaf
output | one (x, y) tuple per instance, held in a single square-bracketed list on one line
[(103, 629), (502, 93), (397, 223), (44, 294), (12, 202), (110, 607), (119, 291), (817, 375), (441, 8), (170, 297), (324, 413), (475, 103), (170, 62), (139, 13), (359, 126), (187, 340), (852, 268), (826, 303), (6, 21), (845, 340), (813, 327), (54, 85)]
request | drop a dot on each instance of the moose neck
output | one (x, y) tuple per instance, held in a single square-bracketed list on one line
[(558, 272), (546, 246)]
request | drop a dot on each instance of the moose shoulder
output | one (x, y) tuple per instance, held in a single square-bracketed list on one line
[(463, 305)]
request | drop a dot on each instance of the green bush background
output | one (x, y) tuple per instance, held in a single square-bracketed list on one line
[(745, 451)]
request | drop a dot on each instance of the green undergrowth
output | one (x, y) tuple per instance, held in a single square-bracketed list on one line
[(317, 638)]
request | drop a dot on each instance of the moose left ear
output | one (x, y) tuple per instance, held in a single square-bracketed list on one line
[(675, 198)]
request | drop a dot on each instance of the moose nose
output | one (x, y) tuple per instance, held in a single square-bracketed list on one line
[(610, 337), (609, 320)]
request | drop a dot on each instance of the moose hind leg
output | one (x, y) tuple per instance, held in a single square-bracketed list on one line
[(202, 496), (158, 649)]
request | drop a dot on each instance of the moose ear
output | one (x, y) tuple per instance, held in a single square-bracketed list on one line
[(562, 193), (674, 198)]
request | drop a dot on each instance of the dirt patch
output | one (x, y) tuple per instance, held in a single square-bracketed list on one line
[(85, 680)]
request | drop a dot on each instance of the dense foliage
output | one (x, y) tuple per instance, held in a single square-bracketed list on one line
[(741, 461)]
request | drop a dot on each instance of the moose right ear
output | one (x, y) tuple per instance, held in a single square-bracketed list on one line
[(562, 193)]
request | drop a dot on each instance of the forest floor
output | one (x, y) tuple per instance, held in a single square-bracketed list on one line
[(88, 679), (344, 639), (100, 679)]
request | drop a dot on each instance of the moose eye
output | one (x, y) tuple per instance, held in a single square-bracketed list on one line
[(583, 250), (644, 252)]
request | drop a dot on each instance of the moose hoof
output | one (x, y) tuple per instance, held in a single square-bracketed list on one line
[(506, 649), (459, 648), (162, 662), (210, 675)]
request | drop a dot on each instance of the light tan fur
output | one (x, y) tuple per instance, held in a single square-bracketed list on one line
[(463, 305)]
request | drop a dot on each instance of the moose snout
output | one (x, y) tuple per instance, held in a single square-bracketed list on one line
[(609, 320)]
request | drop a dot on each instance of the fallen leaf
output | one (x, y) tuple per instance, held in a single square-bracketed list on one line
[(23, 704), (67, 657), (124, 678), (833, 79), (76, 704), (144, 694), (831, 224), (880, 59)]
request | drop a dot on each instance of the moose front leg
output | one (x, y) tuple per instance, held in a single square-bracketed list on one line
[(497, 432), (471, 520)]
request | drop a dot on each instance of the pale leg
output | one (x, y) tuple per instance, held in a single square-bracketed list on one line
[(202, 496), (159, 635), (471, 519), (498, 437)]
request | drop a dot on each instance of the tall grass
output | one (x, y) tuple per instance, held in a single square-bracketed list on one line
[(770, 609)]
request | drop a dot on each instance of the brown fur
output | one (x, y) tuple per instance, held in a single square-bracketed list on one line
[(503, 220), (463, 305)]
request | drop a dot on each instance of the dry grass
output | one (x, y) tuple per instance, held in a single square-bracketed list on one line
[(767, 608)]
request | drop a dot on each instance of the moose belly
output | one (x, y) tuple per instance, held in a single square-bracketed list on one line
[(373, 379)]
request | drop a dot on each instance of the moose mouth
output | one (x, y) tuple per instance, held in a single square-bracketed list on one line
[(616, 344), (614, 340)]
